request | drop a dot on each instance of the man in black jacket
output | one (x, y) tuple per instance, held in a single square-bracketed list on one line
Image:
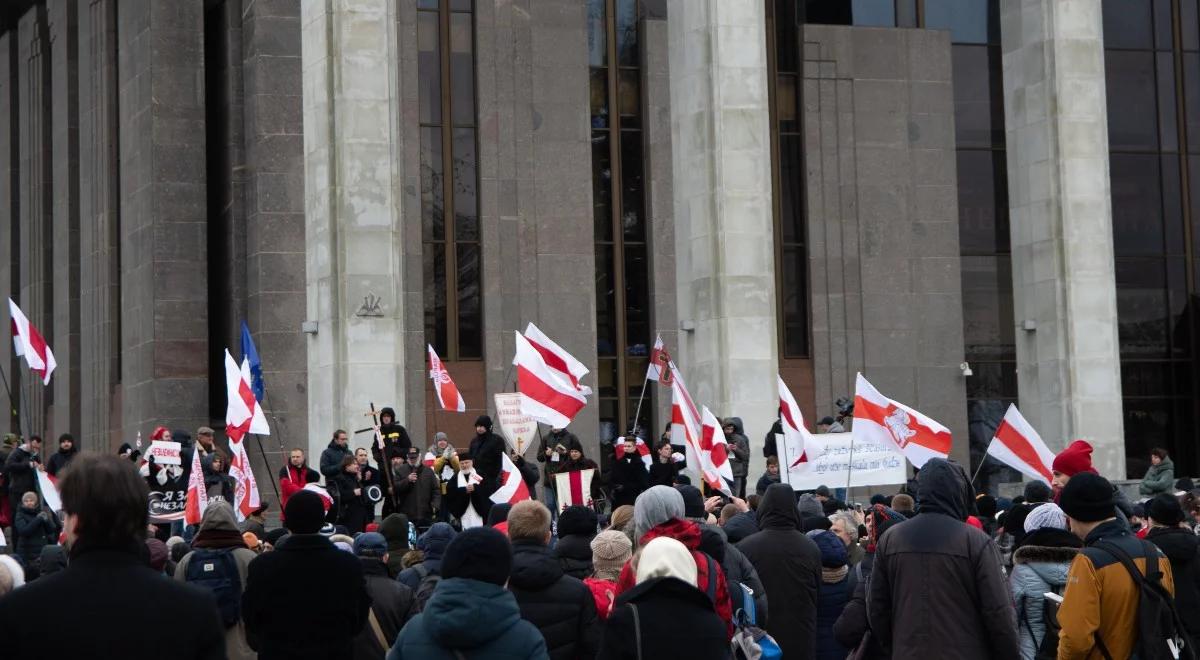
[(552, 450), (62, 458), (331, 457), (562, 607), (486, 449), (392, 602), (418, 492), (307, 599), (937, 588), (108, 585), (19, 471)]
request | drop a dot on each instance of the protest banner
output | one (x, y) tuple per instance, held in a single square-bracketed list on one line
[(874, 464), (164, 452), (517, 428), (168, 494)]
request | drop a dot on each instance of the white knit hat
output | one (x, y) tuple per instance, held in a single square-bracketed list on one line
[(1046, 515), (665, 557)]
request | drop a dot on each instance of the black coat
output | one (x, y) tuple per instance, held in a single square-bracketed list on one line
[(32, 531), (769, 448), (741, 526), (419, 499), (307, 599), (59, 460), (562, 607), (831, 600), (663, 474), (677, 621), (549, 441), (102, 593), (628, 478), (1181, 547), (331, 459), (396, 441), (936, 563), (574, 552), (486, 450), (19, 475), (457, 498), (393, 604), (789, 565), (852, 625)]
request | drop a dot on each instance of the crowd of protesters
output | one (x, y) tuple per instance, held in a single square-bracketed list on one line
[(656, 568)]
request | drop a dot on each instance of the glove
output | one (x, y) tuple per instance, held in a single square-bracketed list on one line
[(678, 457)]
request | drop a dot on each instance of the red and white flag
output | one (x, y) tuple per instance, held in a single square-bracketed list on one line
[(714, 450), (557, 359), (48, 485), (429, 459), (246, 498), (660, 363), (28, 342), (574, 488), (197, 495), (447, 391), (549, 397), (512, 484), (243, 414), (1019, 446), (880, 419), (643, 450), (314, 487), (687, 428), (803, 446)]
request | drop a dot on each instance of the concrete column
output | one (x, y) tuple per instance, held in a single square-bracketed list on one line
[(353, 174), (1068, 360), (724, 233), (163, 219), (64, 56), (10, 208)]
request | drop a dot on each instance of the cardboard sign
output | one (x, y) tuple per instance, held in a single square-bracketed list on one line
[(518, 429), (168, 496), (874, 464), (164, 453)]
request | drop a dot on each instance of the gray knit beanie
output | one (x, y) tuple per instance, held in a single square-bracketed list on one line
[(655, 507), (610, 550), (1045, 515), (809, 505)]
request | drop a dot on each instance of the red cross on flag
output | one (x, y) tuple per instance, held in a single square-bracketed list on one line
[(1019, 446), (660, 363), (687, 429), (512, 485), (714, 450), (29, 343), (447, 391), (880, 419), (243, 414), (800, 442)]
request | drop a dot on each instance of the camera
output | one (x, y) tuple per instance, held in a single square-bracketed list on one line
[(845, 407)]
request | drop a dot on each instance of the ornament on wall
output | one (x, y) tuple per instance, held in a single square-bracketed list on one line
[(370, 306)]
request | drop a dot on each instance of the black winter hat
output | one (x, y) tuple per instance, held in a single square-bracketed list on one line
[(479, 553), (1087, 497), (498, 513), (1037, 491), (484, 421), (577, 520), (304, 513), (1165, 509), (693, 501)]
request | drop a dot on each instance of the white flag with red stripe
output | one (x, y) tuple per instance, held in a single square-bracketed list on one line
[(1019, 446), (574, 488), (549, 397), (557, 359), (429, 459), (447, 391), (197, 494), (643, 450), (48, 485), (29, 343), (802, 444), (714, 450), (246, 497), (512, 485), (880, 419), (314, 487), (243, 414), (687, 428), (660, 363)]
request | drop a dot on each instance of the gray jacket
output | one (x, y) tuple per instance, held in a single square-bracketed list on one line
[(1036, 570), (739, 449)]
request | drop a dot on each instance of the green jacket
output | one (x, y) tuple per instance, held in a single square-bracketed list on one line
[(1159, 479)]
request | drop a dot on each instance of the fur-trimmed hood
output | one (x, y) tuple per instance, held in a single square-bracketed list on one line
[(1041, 554)]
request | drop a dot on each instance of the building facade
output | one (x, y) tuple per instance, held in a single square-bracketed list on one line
[(972, 202)]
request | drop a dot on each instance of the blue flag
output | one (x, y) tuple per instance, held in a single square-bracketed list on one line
[(251, 355)]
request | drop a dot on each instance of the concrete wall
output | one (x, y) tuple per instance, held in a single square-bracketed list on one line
[(883, 218)]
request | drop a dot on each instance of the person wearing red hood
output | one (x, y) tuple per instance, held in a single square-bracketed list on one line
[(659, 511)]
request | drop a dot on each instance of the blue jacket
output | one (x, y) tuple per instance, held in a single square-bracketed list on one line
[(831, 600), (1037, 569), (495, 631)]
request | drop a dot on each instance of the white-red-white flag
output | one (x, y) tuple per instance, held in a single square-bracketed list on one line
[(197, 494), (557, 358), (28, 343), (880, 419), (803, 445), (314, 487), (429, 459), (574, 488), (1019, 446), (48, 485), (643, 450), (714, 449), (243, 414), (512, 485), (246, 497), (447, 391), (660, 363), (549, 397), (687, 428)]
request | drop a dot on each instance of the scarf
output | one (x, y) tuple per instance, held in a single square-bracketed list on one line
[(218, 538), (834, 575)]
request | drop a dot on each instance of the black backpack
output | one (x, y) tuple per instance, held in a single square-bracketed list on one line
[(1047, 646), (1159, 630), (217, 571), (427, 585)]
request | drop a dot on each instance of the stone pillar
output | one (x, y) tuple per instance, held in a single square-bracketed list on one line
[(64, 47), (883, 219), (274, 211), (10, 246), (724, 233), (1068, 360), (353, 174), (163, 219), (99, 237)]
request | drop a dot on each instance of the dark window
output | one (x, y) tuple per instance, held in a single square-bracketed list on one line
[(449, 178), (969, 21)]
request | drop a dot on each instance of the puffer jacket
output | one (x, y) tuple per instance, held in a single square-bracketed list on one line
[(1181, 546), (741, 526), (1159, 479), (33, 531), (496, 629), (1039, 566), (937, 587), (831, 600), (560, 606), (574, 553), (739, 446)]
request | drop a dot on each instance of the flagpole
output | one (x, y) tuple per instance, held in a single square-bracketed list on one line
[(850, 465), (980, 468), (637, 415), (12, 404), (270, 472), (785, 471)]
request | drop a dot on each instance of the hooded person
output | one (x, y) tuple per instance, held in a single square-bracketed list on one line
[(576, 529), (60, 459), (396, 441), (476, 567), (740, 526), (852, 625), (665, 599), (217, 541), (1181, 546), (937, 561), (789, 565), (392, 603), (432, 545), (610, 550), (739, 572), (486, 450), (739, 453), (52, 560), (395, 529), (1040, 566), (833, 594)]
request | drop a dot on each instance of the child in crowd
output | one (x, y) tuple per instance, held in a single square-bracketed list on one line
[(771, 477)]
